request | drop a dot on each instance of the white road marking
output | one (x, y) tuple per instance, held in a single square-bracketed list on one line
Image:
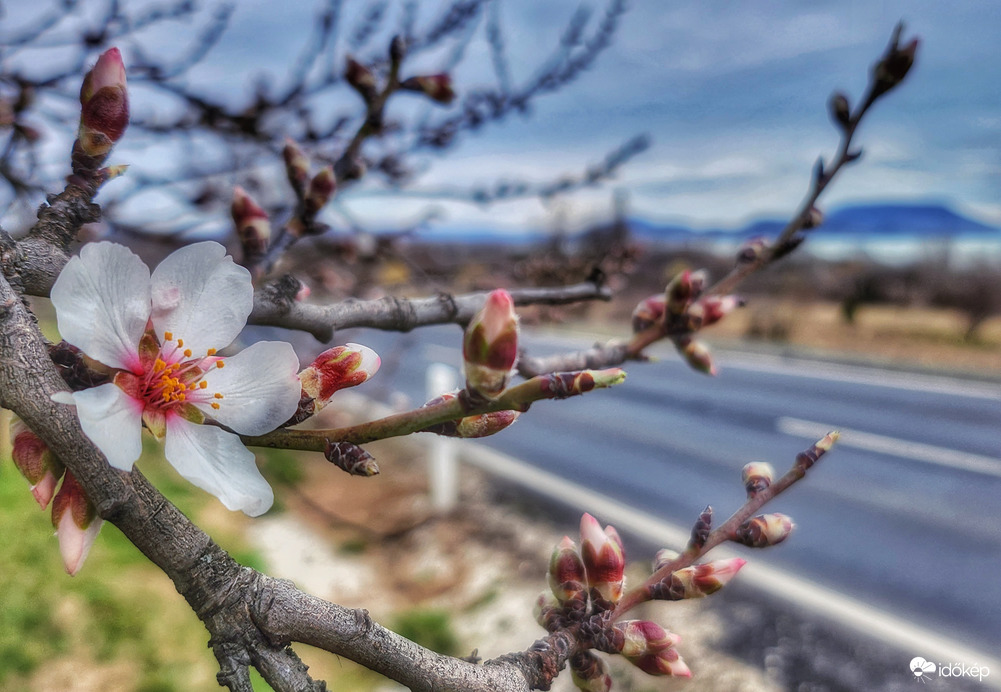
[(911, 639), (917, 451), (838, 372)]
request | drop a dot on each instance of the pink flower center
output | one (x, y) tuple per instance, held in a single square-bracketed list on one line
[(174, 378)]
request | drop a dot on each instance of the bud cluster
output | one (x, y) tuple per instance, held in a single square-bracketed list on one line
[(74, 517)]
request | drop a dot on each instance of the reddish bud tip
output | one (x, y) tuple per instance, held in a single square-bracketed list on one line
[(338, 368), (603, 557), (104, 102), (296, 166), (437, 87), (252, 224), (76, 522), (648, 312), (490, 345), (757, 476), (320, 191), (765, 530)]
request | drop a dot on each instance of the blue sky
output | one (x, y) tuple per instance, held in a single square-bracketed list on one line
[(732, 94)]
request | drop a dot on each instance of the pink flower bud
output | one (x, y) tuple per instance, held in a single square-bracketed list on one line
[(663, 558), (666, 662), (490, 345), (679, 293), (296, 166), (603, 557), (765, 530), (712, 309), (696, 354), (321, 189), (648, 312), (589, 673), (752, 250), (360, 78), (809, 457), (35, 461), (338, 368), (437, 87), (485, 424), (566, 572), (252, 224), (76, 522), (104, 102), (757, 476), (642, 637), (697, 581)]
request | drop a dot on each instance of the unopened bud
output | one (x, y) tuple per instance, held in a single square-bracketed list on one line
[(589, 673), (765, 530), (697, 355), (321, 189), (813, 219), (840, 110), (252, 224), (642, 637), (104, 101), (296, 166), (752, 250), (604, 558), (757, 476), (547, 612), (482, 425), (666, 662), (351, 458), (679, 293), (700, 531), (712, 309), (35, 461), (560, 385), (895, 64), (437, 87), (566, 575), (809, 457), (663, 558), (697, 581), (76, 522), (648, 312), (490, 345), (338, 368), (360, 78), (397, 49)]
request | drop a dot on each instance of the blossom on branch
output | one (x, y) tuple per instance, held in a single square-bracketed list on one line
[(160, 334)]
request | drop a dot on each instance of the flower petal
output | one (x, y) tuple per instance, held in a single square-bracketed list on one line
[(260, 388), (113, 421), (216, 461), (102, 301), (201, 296)]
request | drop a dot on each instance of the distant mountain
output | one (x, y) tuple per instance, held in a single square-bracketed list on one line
[(862, 221), (859, 223)]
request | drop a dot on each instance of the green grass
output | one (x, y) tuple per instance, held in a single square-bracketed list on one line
[(119, 609)]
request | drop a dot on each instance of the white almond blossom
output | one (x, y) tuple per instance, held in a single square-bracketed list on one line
[(160, 335)]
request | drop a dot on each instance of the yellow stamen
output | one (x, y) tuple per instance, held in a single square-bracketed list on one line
[(168, 336), (180, 343), (203, 384), (219, 364), (158, 365), (215, 405), (211, 352), (217, 395), (187, 353)]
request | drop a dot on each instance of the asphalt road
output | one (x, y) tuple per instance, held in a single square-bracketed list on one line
[(904, 514)]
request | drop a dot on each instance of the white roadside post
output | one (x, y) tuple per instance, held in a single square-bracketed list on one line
[(443, 463)]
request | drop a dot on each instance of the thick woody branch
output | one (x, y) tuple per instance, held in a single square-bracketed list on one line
[(277, 307), (246, 627)]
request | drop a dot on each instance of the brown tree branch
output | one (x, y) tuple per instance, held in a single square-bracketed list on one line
[(251, 618)]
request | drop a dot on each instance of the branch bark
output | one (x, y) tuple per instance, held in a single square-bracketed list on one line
[(251, 618)]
